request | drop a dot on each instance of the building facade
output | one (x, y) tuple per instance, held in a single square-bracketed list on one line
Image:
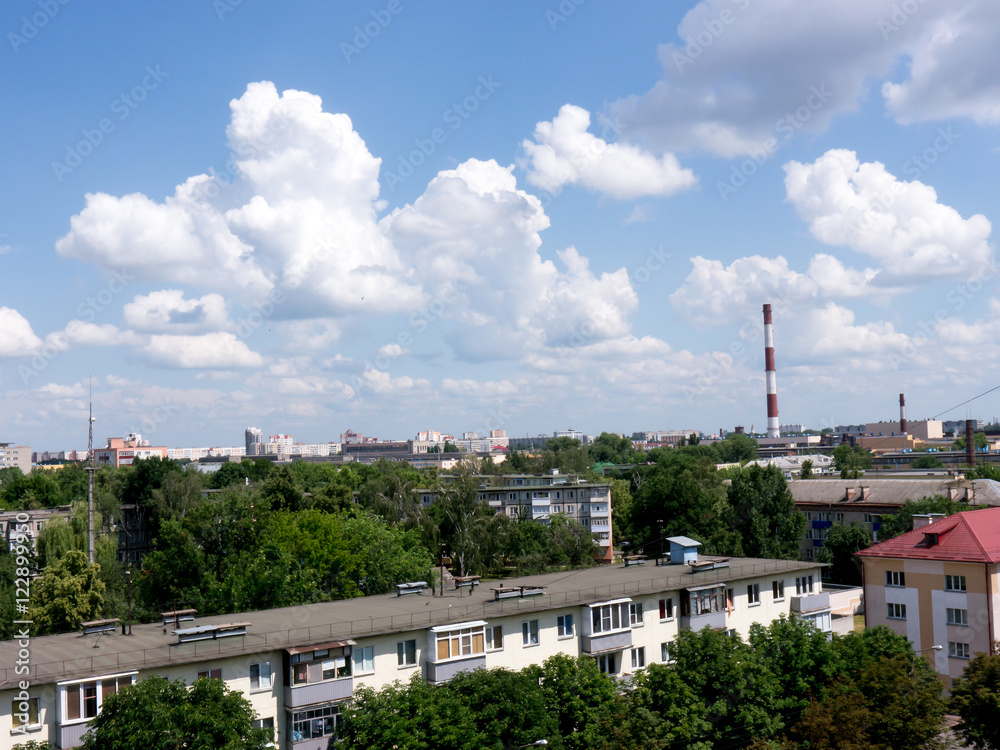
[(299, 666), (124, 451), (15, 457), (939, 586)]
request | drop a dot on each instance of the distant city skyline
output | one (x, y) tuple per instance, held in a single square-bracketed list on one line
[(526, 217)]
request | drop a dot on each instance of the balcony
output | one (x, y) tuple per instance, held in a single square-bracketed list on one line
[(602, 642), (317, 692), (443, 671), (810, 603), (713, 620)]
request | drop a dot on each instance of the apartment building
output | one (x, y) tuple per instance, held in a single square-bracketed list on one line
[(298, 666), (123, 451), (15, 456), (827, 502), (939, 585), (540, 496), (29, 523)]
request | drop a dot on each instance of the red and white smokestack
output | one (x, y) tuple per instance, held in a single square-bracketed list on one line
[(770, 376), (902, 414)]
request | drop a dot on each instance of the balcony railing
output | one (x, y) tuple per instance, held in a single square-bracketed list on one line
[(810, 602)]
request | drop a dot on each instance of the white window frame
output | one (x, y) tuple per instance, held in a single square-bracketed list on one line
[(666, 606), (895, 578), (607, 663), (494, 638), (364, 660), (665, 652), (529, 633), (465, 640), (958, 650), (638, 657), (895, 611), (609, 617), (635, 615), (954, 583), (753, 594), (778, 590), (28, 726), (564, 626), (66, 686), (404, 658), (262, 683), (803, 585), (956, 616)]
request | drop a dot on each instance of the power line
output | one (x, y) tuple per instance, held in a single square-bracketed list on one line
[(966, 402)]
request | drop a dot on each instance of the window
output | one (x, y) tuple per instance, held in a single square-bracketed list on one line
[(569, 508), (406, 653), (809, 534), (803, 585), (809, 515), (260, 676), (896, 611), (703, 601), (753, 594), (454, 644), (957, 616), (364, 660), (494, 638), (872, 518), (211, 674), (778, 590), (24, 714), (336, 668), (665, 652), (300, 674), (565, 625), (608, 617), (267, 723), (315, 723), (638, 657), (838, 517), (809, 553), (81, 701), (958, 650), (529, 632), (635, 614), (895, 578), (954, 583), (606, 663), (666, 609)]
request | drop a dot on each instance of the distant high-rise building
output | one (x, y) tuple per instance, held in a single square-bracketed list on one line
[(255, 441)]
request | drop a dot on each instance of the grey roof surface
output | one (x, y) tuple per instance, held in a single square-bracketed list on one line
[(890, 492), (72, 656)]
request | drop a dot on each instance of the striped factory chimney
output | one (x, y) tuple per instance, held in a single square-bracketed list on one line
[(772, 384), (902, 414)]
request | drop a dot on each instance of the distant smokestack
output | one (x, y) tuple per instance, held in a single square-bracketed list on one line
[(902, 414), (773, 429), (970, 442)]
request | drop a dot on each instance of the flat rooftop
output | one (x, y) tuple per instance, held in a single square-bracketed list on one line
[(72, 655)]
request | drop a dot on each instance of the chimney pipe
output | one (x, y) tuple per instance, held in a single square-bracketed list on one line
[(770, 377), (902, 414), (970, 442)]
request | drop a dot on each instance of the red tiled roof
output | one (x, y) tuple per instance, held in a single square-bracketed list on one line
[(970, 536)]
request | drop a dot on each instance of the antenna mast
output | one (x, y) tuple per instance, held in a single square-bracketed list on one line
[(90, 478)]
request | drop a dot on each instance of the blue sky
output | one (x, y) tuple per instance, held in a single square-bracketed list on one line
[(395, 216)]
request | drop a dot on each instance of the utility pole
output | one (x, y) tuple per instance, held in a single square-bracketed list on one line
[(90, 478)]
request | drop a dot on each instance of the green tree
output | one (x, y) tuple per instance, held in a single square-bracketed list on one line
[(927, 462), (573, 692), (68, 593), (797, 654), (228, 474), (806, 471), (175, 571), (509, 707), (612, 449), (984, 471), (762, 512), (975, 697), (282, 490), (680, 716), (144, 477), (158, 713), (851, 461), (980, 440), (736, 447), (839, 549)]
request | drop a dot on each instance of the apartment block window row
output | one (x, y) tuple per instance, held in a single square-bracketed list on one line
[(957, 616), (895, 578), (958, 650), (896, 611), (954, 583)]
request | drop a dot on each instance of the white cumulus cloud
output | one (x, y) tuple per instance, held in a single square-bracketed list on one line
[(209, 351), (16, 337), (168, 311)]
